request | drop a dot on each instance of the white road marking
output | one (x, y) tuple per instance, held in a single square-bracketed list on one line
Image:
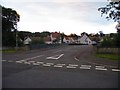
[(46, 65), (60, 56), (50, 63), (61, 64), (10, 61), (36, 64), (31, 61), (73, 65), (54, 57), (101, 69), (100, 66), (58, 66), (40, 62), (18, 62), (84, 67), (27, 63), (70, 67), (76, 59), (115, 70), (22, 60), (4, 60)]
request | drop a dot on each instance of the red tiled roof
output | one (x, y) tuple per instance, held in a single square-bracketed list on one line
[(47, 38), (67, 38), (55, 34)]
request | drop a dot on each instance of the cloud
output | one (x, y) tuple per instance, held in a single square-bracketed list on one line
[(60, 15)]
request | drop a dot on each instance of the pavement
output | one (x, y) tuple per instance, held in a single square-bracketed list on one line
[(68, 66)]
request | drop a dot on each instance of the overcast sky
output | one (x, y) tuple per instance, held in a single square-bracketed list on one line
[(68, 16)]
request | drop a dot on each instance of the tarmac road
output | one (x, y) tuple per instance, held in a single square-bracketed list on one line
[(70, 66)]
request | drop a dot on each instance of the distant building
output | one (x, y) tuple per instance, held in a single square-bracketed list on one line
[(27, 41), (84, 39), (47, 40), (55, 37)]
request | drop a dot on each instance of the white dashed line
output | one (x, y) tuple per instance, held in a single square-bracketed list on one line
[(115, 70), (18, 62), (10, 61), (104, 69), (40, 62), (31, 61), (70, 67), (50, 63), (27, 63), (4, 60), (57, 66), (46, 65), (61, 64), (22, 60), (36, 64), (100, 66), (84, 67), (73, 65)]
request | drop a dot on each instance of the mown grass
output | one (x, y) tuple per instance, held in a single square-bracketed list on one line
[(109, 56), (8, 51)]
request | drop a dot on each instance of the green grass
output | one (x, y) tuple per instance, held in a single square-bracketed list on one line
[(109, 56), (8, 51)]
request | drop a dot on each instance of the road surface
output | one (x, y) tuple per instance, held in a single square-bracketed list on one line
[(69, 66)]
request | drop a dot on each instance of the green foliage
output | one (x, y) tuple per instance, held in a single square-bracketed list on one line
[(44, 34), (112, 11), (39, 41), (109, 56), (23, 34), (9, 23), (111, 41)]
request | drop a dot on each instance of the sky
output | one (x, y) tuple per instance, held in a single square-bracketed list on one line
[(65, 16)]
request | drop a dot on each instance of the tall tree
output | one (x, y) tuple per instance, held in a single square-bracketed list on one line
[(10, 18), (112, 11)]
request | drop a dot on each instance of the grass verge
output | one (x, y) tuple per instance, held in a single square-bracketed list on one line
[(109, 56), (8, 51)]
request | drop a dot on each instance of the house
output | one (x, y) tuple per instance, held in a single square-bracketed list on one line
[(84, 39), (47, 40), (66, 39), (27, 40), (55, 37)]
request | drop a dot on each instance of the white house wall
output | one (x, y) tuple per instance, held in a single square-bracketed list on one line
[(85, 40)]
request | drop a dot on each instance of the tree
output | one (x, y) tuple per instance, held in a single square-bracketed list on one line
[(112, 11), (44, 34), (9, 26)]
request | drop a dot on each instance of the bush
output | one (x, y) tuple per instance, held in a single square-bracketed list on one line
[(40, 41), (111, 41)]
